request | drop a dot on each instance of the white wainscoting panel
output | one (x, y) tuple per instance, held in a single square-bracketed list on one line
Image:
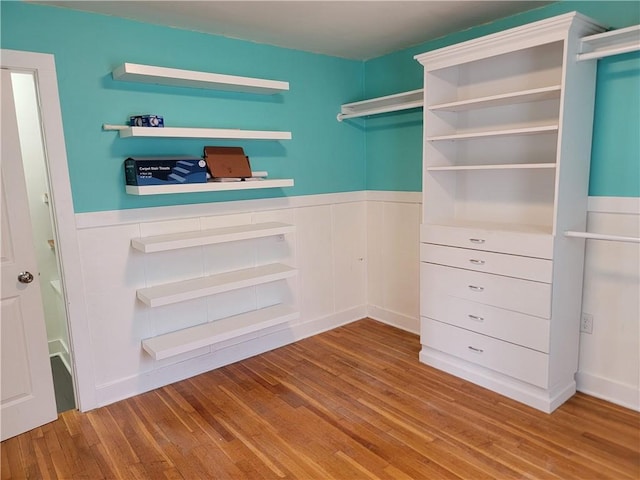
[(609, 365), (328, 248), (349, 255), (393, 225)]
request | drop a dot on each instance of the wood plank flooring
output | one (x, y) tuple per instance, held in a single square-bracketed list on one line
[(347, 404)]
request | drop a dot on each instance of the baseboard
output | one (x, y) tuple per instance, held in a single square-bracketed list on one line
[(275, 338), (538, 398), (615, 392), (394, 319), (58, 348)]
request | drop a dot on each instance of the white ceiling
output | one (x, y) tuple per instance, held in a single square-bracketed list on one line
[(350, 29)]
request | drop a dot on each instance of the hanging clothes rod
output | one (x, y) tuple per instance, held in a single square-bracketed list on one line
[(601, 236)]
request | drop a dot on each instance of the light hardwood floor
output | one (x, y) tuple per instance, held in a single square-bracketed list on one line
[(347, 404)]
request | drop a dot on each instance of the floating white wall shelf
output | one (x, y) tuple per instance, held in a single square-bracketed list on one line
[(389, 103), (133, 72), (204, 286), (209, 186), (610, 43), (181, 341), (184, 132), (172, 241)]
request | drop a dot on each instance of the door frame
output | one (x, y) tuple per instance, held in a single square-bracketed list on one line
[(61, 201)]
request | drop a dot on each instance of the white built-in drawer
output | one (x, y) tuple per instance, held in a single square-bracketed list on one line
[(529, 244), (529, 268), (514, 327), (519, 362), (525, 296)]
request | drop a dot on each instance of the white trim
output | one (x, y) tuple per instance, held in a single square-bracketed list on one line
[(615, 392), (57, 348), (153, 214), (272, 338), (393, 196), (627, 205), (545, 400), (63, 215), (622, 205), (398, 320)]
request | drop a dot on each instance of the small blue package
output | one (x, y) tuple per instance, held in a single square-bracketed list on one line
[(146, 121)]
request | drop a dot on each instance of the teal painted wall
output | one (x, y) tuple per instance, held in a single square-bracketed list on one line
[(394, 141), (325, 156), (322, 157)]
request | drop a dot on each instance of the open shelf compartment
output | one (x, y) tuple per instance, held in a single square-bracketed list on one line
[(188, 339)]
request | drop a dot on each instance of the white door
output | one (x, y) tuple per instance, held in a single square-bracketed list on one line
[(27, 398)]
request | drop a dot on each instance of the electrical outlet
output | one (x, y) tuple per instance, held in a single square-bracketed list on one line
[(586, 323)]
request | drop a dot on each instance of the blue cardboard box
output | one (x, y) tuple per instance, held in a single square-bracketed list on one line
[(165, 170)]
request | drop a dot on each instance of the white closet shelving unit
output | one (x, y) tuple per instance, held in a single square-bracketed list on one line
[(386, 104), (133, 72), (210, 333), (610, 43), (507, 119)]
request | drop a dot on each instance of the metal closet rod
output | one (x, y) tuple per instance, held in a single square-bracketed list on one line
[(602, 236)]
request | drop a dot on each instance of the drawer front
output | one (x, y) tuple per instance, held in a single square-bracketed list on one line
[(528, 268), (524, 296), (522, 363), (516, 243), (514, 327)]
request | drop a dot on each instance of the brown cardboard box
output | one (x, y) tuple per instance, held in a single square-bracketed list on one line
[(227, 162)]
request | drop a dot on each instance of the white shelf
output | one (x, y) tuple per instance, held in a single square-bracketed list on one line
[(491, 167), (532, 95), (496, 133), (209, 186), (186, 132), (610, 43), (210, 285), (132, 72), (389, 103), (188, 339), (160, 243)]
